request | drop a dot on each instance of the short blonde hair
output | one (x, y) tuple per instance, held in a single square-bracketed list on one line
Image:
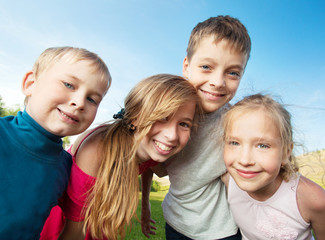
[(280, 117), (52, 55)]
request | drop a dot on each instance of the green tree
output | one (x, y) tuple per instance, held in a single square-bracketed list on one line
[(66, 142), (2, 108), (8, 111), (12, 111)]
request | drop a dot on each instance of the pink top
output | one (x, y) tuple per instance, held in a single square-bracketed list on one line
[(72, 202), (276, 218)]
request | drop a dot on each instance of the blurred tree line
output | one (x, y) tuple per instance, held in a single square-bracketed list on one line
[(4, 111)]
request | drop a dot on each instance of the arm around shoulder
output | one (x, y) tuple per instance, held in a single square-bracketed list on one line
[(146, 220), (311, 203), (160, 170)]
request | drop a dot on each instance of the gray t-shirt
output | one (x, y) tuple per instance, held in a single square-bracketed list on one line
[(196, 204)]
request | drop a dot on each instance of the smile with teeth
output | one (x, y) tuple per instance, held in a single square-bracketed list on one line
[(66, 116), (212, 94), (163, 146)]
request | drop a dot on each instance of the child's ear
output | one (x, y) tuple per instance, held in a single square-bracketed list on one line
[(186, 68), (28, 82)]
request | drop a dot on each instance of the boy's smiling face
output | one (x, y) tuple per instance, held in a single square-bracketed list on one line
[(215, 70), (64, 98)]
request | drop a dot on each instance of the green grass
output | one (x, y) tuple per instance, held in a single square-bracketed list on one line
[(156, 199)]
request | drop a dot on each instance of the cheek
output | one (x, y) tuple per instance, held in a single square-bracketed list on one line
[(273, 168), (90, 116), (195, 79), (184, 137), (227, 156), (232, 86)]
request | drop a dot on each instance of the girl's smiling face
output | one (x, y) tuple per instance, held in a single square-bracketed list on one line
[(168, 136), (253, 153)]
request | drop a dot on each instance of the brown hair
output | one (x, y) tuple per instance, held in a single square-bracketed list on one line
[(114, 198), (221, 27), (280, 117)]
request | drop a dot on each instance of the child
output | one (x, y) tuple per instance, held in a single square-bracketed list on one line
[(154, 125), (195, 206), (63, 92), (271, 200)]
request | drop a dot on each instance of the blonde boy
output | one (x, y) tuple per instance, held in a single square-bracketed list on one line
[(63, 92), (196, 206)]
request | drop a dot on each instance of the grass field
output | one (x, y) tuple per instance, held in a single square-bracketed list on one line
[(156, 212), (312, 165)]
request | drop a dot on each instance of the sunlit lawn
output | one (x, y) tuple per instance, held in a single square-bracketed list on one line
[(156, 199), (312, 166)]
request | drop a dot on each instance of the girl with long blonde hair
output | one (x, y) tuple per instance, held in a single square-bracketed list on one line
[(154, 124)]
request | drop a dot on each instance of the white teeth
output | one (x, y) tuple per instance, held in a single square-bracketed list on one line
[(163, 146), (67, 116), (212, 94)]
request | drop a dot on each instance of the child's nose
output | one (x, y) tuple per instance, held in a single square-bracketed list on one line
[(217, 80), (78, 102), (170, 132), (246, 158)]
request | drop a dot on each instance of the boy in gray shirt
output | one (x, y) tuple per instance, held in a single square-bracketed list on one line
[(196, 206)]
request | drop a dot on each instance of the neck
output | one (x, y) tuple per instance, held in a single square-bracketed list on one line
[(268, 191)]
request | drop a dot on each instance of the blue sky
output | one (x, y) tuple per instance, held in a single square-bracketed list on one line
[(139, 38)]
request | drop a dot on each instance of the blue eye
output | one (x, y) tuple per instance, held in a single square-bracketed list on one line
[(205, 67), (91, 100), (261, 145), (184, 124), (68, 85), (234, 74), (233, 143)]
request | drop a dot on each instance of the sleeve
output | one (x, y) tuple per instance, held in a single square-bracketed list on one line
[(74, 199), (147, 164)]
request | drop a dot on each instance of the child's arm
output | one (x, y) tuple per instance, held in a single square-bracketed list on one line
[(160, 170), (72, 231), (311, 204), (147, 228)]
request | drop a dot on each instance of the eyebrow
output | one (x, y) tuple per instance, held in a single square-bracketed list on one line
[(79, 80), (212, 60), (188, 119)]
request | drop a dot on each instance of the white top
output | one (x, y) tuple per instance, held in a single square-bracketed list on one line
[(277, 218), (196, 204)]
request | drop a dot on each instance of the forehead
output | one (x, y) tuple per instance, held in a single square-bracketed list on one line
[(254, 120), (218, 48)]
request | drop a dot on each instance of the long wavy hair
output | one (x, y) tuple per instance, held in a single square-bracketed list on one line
[(113, 200)]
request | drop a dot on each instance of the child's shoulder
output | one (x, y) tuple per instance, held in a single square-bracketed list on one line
[(310, 198), (88, 156)]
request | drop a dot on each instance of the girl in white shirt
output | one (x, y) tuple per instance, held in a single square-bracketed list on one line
[(268, 198)]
